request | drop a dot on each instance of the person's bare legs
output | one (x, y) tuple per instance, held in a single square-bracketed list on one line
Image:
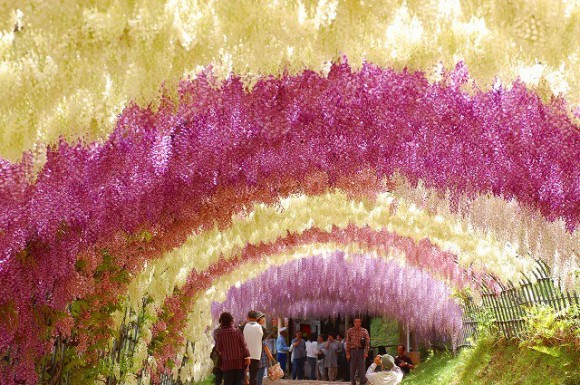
[(332, 372)]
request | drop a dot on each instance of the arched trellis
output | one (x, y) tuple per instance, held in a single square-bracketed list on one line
[(375, 241), (501, 305), (382, 241), (318, 214), (159, 173), (332, 284)]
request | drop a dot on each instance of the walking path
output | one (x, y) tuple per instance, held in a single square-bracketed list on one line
[(303, 382)]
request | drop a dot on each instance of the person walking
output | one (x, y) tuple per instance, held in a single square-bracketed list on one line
[(216, 359), (298, 356), (253, 334), (357, 350), (320, 371), (266, 359), (282, 348), (232, 348), (342, 362), (311, 352)]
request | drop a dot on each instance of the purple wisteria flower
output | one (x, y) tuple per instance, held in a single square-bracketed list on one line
[(332, 285)]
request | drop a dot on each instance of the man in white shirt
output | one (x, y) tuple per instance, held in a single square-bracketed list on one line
[(311, 355), (390, 373), (253, 333)]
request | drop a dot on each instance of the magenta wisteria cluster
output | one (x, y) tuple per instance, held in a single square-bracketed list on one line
[(333, 285), (422, 255), (160, 171)]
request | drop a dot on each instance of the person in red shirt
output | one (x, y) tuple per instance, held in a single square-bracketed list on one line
[(357, 350), (234, 353)]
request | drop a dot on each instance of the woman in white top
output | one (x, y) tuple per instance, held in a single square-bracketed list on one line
[(390, 373)]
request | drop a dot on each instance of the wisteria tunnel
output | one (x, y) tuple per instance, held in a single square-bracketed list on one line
[(366, 189)]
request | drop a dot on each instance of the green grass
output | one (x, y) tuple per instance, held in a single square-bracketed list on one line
[(440, 368), (500, 362), (207, 381), (385, 331)]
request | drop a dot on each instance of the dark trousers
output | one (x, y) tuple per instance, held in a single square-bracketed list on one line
[(298, 368), (357, 365), (343, 367), (261, 373), (217, 372), (281, 357), (254, 366), (234, 377), (312, 364)]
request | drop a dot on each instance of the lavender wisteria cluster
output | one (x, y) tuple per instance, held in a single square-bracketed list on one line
[(335, 284)]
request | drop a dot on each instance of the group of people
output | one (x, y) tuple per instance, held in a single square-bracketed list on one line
[(312, 357), (244, 349), (237, 350)]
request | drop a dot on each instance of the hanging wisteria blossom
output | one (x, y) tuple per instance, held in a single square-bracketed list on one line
[(288, 145), (192, 165), (333, 285)]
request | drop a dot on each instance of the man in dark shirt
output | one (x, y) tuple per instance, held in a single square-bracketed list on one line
[(298, 356), (403, 361)]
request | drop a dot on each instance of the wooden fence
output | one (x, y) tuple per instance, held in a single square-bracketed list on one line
[(508, 307)]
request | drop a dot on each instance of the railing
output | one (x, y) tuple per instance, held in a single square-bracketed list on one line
[(122, 350)]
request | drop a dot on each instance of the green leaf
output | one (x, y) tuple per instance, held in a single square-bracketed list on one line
[(76, 307), (549, 350)]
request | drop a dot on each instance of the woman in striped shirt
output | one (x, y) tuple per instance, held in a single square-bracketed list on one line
[(233, 350)]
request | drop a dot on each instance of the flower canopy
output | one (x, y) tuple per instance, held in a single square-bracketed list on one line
[(227, 184), (333, 284)]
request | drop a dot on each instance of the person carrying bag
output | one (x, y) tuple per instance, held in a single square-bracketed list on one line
[(275, 372), (266, 360)]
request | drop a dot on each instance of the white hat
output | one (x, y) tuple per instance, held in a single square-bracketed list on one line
[(282, 329), (387, 361)]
